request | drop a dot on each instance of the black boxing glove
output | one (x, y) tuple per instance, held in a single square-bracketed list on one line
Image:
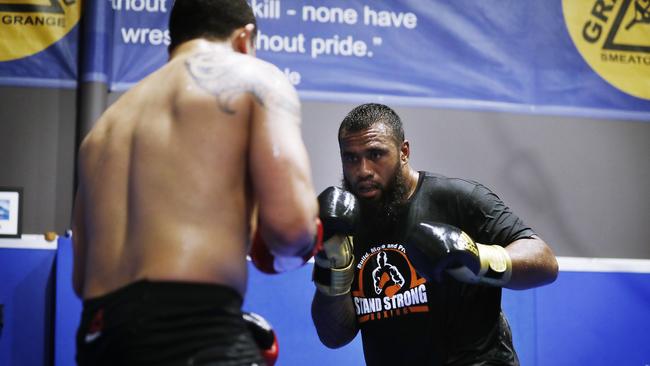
[(263, 335), (436, 247), (333, 269)]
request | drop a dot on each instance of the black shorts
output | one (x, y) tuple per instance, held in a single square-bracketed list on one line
[(166, 323)]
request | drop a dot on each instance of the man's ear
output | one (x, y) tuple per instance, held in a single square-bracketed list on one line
[(405, 151), (242, 39)]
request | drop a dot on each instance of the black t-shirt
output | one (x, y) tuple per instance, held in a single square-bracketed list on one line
[(404, 319)]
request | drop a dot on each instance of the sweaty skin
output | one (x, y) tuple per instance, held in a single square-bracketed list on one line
[(175, 174)]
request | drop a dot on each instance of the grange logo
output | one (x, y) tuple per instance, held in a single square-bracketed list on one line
[(613, 36), (30, 26)]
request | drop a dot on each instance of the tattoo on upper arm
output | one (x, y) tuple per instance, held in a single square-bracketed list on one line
[(224, 78)]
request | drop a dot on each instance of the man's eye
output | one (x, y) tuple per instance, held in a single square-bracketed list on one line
[(349, 158)]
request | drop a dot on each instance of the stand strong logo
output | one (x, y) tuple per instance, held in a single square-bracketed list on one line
[(613, 36), (30, 26)]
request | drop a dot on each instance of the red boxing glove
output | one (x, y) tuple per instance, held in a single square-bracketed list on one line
[(264, 336), (269, 263)]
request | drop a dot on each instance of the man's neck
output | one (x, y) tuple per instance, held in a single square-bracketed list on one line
[(201, 45), (412, 178)]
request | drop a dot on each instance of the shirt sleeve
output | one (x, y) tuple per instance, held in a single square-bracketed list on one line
[(485, 217)]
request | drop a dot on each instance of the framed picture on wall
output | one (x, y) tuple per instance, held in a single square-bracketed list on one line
[(10, 212)]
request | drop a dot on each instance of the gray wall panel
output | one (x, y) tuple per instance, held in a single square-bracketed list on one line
[(37, 129), (580, 183)]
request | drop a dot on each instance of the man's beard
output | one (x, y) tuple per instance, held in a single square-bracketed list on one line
[(384, 212)]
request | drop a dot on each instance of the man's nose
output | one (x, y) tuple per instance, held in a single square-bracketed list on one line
[(365, 169)]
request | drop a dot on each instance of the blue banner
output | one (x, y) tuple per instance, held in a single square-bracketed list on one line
[(140, 40), (567, 57), (505, 55)]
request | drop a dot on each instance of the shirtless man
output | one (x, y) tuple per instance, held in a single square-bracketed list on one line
[(173, 180)]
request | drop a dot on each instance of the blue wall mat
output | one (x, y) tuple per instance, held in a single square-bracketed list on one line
[(285, 301), (520, 309), (26, 290), (595, 319), (584, 318)]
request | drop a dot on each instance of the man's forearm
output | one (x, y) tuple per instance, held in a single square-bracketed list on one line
[(533, 264), (334, 318)]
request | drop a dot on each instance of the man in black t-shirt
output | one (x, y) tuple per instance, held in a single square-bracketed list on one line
[(414, 260)]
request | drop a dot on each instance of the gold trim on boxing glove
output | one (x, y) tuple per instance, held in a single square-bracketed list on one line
[(498, 265), (333, 266), (468, 243), (340, 279)]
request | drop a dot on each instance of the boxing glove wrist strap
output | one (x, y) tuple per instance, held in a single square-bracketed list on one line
[(496, 267), (333, 270), (333, 281)]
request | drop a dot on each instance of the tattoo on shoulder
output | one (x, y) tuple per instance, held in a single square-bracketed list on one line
[(224, 78)]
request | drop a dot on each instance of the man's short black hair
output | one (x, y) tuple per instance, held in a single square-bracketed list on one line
[(366, 115), (216, 19)]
